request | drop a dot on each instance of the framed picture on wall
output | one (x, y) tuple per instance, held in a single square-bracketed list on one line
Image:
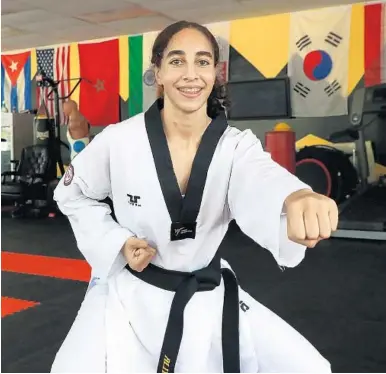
[(260, 99)]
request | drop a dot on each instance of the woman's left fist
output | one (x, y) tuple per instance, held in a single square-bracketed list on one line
[(311, 217)]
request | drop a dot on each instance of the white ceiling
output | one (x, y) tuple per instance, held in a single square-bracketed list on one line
[(36, 23)]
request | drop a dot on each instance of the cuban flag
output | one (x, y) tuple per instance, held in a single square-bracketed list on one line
[(16, 81), (319, 60)]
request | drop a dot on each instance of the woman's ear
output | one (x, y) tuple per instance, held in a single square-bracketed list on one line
[(158, 75), (160, 91)]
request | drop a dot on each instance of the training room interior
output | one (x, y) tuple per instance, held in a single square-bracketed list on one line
[(329, 130)]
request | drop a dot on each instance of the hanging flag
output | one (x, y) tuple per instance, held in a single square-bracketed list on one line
[(149, 86), (375, 44), (55, 63), (135, 75), (99, 88), (221, 31), (142, 85), (318, 61), (16, 81), (254, 38)]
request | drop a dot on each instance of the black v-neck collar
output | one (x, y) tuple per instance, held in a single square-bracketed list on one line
[(183, 210)]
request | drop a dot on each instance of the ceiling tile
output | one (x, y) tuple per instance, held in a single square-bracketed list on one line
[(13, 6), (7, 32), (166, 5), (133, 11), (81, 33), (26, 41), (76, 7), (29, 16), (64, 23), (133, 26), (210, 14)]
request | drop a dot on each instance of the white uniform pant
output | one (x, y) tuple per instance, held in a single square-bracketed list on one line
[(104, 336)]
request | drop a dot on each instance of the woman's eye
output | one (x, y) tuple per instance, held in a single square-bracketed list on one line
[(203, 63), (176, 62)]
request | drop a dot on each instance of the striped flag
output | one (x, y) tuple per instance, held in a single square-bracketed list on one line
[(135, 101), (16, 81), (55, 62), (375, 44), (142, 87)]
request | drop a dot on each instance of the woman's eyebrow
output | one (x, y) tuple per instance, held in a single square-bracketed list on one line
[(181, 53)]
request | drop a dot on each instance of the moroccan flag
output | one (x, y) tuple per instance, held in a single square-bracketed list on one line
[(99, 88), (16, 81), (375, 44), (318, 62)]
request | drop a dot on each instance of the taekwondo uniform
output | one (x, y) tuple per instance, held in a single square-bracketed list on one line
[(185, 312)]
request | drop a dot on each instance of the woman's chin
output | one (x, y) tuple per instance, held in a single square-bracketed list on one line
[(190, 106)]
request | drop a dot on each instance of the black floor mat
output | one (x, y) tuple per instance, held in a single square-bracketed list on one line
[(335, 297)]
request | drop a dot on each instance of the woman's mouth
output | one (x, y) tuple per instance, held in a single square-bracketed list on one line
[(191, 92)]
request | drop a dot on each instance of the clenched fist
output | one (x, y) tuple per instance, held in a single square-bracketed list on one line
[(77, 123), (311, 217), (138, 253), (70, 107)]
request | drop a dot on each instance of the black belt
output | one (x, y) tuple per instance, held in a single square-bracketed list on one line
[(185, 285)]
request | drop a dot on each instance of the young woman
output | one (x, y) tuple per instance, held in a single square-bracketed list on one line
[(160, 298)]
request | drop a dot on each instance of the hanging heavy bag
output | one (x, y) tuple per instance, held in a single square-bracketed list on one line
[(45, 135), (44, 126)]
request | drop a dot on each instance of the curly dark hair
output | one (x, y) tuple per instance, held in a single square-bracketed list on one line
[(218, 99)]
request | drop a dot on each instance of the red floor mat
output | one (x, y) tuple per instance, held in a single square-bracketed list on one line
[(10, 305), (56, 267)]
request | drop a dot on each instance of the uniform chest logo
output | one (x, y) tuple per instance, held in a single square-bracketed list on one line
[(134, 200), (181, 231)]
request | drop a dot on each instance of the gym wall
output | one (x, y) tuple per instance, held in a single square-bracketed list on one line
[(264, 53)]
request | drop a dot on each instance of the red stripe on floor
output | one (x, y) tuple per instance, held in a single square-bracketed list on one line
[(56, 267), (10, 305)]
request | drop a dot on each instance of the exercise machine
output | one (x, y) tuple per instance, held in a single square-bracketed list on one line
[(363, 214), (329, 171), (52, 127), (34, 179)]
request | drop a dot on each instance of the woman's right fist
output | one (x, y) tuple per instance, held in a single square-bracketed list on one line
[(138, 253), (70, 107)]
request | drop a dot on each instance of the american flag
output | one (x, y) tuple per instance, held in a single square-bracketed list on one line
[(55, 62)]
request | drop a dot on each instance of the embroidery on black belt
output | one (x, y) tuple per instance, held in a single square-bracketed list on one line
[(166, 364), (68, 175)]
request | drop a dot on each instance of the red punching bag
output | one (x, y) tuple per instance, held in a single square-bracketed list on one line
[(281, 144)]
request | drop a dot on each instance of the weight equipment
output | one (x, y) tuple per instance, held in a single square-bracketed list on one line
[(363, 215), (328, 171), (36, 177), (48, 127)]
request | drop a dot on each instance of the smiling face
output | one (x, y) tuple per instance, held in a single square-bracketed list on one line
[(187, 72)]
